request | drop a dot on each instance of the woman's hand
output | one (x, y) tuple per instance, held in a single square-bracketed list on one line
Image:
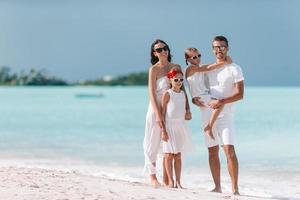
[(164, 136), (188, 115), (160, 121)]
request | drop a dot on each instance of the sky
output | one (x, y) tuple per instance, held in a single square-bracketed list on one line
[(80, 40)]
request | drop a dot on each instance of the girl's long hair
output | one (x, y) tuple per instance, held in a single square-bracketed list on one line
[(186, 53)]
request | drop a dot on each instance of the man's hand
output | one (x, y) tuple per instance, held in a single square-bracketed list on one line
[(215, 104), (197, 101)]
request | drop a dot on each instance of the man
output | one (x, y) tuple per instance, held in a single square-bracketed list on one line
[(227, 86)]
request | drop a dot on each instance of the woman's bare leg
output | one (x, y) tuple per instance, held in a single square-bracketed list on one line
[(153, 179)]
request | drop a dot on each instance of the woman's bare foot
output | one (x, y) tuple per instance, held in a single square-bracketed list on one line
[(178, 185), (208, 131), (154, 182), (218, 190)]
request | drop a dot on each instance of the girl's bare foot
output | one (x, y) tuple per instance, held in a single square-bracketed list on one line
[(178, 185), (208, 131), (171, 184)]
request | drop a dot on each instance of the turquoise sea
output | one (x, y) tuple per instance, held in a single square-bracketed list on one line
[(100, 130)]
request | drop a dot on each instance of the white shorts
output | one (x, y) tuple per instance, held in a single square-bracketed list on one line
[(223, 129)]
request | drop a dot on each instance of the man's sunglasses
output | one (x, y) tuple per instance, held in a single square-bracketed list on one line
[(178, 79), (222, 48), (195, 57), (159, 50)]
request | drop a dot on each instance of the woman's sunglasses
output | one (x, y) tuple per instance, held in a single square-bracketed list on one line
[(159, 50), (195, 57), (178, 79)]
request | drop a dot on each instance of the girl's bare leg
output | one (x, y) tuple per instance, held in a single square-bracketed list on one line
[(169, 169), (165, 176), (178, 165), (212, 120)]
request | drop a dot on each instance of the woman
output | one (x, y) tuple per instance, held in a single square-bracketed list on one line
[(158, 83)]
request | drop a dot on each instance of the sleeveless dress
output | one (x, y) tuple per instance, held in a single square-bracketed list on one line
[(179, 137), (198, 87), (152, 139)]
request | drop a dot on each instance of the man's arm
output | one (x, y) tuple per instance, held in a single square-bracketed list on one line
[(238, 95)]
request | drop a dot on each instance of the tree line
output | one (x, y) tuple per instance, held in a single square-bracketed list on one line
[(41, 78)]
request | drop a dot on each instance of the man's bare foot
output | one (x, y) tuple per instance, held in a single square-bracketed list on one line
[(236, 193), (208, 131), (178, 185), (218, 190)]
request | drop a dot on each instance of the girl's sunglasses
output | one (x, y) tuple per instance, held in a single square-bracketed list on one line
[(178, 79), (159, 50), (195, 57)]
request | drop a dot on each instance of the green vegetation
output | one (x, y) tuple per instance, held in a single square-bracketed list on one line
[(41, 78), (140, 78), (33, 77)]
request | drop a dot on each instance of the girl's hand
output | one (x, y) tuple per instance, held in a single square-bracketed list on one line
[(164, 136), (228, 60), (188, 115), (197, 101)]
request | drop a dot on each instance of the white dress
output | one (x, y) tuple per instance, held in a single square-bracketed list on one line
[(179, 137), (198, 88), (152, 139)]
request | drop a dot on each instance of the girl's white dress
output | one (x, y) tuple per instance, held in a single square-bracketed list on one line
[(198, 87), (152, 139), (176, 126)]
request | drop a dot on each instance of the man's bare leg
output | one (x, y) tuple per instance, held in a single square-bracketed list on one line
[(233, 167), (214, 164)]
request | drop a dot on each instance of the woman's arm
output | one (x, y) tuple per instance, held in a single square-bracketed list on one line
[(164, 102), (206, 68), (152, 96)]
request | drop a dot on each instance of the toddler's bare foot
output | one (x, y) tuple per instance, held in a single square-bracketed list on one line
[(208, 131)]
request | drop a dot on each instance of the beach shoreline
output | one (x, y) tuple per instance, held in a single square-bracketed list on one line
[(39, 183)]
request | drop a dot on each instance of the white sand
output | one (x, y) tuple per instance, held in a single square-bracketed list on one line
[(21, 183)]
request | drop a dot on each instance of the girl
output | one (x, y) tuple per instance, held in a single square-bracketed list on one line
[(198, 85), (174, 134), (157, 84)]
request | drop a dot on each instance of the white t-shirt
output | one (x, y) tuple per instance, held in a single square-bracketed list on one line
[(222, 82)]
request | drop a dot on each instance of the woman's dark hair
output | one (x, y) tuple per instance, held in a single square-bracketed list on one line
[(154, 59), (221, 38)]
